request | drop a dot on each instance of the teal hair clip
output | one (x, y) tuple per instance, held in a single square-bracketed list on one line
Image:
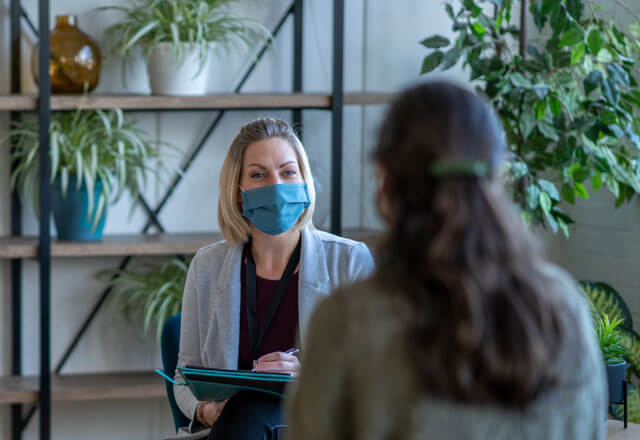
[(459, 168)]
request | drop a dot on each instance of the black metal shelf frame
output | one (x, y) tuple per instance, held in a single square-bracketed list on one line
[(20, 421)]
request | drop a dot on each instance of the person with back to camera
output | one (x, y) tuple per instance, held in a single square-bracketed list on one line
[(464, 331), (273, 256)]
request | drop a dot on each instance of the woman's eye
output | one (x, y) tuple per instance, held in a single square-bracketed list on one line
[(256, 175), (290, 172)]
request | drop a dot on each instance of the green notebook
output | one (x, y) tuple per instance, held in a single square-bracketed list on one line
[(219, 384)]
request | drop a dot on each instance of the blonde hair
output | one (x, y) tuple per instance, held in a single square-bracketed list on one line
[(234, 227)]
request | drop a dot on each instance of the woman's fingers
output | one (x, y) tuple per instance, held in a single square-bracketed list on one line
[(277, 356), (276, 366)]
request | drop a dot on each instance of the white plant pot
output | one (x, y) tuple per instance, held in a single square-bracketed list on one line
[(169, 78)]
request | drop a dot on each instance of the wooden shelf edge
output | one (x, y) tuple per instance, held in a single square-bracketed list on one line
[(133, 245), (213, 102), (110, 246), (82, 387)]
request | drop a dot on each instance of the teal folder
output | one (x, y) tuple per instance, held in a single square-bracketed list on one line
[(219, 384)]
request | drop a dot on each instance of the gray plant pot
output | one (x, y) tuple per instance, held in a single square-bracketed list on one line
[(616, 374)]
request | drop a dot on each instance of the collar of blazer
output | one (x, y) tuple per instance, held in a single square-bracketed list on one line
[(313, 262)]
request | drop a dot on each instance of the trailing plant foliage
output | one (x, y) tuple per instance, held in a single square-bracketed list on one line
[(85, 146), (570, 107), (180, 22), (151, 293)]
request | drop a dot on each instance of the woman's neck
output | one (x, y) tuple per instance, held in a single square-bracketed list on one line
[(271, 253)]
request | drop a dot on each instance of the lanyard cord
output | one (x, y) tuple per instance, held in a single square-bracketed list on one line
[(276, 299)]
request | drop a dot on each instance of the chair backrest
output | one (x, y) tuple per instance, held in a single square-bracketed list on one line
[(170, 344)]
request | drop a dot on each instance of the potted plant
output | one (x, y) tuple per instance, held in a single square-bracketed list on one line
[(94, 155), (613, 354), (568, 99), (149, 294), (177, 37)]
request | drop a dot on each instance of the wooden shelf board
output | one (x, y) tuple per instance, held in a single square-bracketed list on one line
[(368, 98), (218, 101), (115, 245), (131, 244), (78, 387)]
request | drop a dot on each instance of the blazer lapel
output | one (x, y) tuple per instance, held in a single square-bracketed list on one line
[(227, 308), (314, 282)]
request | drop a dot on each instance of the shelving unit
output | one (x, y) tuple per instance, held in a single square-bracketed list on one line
[(52, 386)]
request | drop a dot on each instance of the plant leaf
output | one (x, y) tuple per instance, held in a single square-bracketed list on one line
[(431, 62), (435, 42)]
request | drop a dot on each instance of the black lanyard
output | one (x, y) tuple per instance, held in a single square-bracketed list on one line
[(276, 299)]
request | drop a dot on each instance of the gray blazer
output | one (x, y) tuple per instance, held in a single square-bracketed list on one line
[(210, 332)]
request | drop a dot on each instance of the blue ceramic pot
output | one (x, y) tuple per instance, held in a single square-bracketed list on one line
[(70, 212), (615, 375)]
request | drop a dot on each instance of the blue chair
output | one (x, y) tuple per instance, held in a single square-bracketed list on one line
[(169, 346)]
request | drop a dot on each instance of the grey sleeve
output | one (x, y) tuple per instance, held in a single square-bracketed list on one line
[(593, 369), (189, 341), (361, 264), (317, 404)]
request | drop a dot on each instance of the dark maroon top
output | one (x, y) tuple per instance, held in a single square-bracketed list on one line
[(281, 334)]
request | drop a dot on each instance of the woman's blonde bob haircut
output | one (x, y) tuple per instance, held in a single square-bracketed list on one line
[(234, 227)]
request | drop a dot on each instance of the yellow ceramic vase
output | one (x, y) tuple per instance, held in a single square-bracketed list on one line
[(75, 58)]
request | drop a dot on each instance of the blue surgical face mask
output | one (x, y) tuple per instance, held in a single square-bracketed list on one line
[(274, 209)]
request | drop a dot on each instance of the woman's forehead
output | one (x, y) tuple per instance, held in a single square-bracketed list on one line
[(274, 151)]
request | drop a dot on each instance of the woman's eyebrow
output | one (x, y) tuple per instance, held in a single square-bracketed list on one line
[(256, 165), (287, 163)]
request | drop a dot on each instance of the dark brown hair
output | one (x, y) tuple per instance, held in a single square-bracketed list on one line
[(486, 327)]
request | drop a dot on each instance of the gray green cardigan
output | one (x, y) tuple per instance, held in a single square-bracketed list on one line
[(210, 327), (358, 380)]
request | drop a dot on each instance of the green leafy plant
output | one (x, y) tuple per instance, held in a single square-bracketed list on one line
[(610, 340), (180, 22), (569, 105), (86, 146), (151, 293), (605, 301)]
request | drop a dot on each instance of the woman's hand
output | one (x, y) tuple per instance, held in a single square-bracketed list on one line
[(278, 362), (210, 411)]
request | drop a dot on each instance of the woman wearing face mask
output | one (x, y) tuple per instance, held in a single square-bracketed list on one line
[(248, 297), (465, 331)]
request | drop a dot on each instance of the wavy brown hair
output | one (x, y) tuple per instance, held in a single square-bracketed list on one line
[(486, 327)]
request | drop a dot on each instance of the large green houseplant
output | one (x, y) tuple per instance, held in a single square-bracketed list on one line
[(176, 37), (95, 155), (569, 99), (149, 294)]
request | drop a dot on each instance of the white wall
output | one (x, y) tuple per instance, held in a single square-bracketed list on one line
[(381, 54)]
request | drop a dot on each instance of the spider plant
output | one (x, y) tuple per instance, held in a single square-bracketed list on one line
[(610, 340), (86, 146), (183, 23), (150, 294)]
